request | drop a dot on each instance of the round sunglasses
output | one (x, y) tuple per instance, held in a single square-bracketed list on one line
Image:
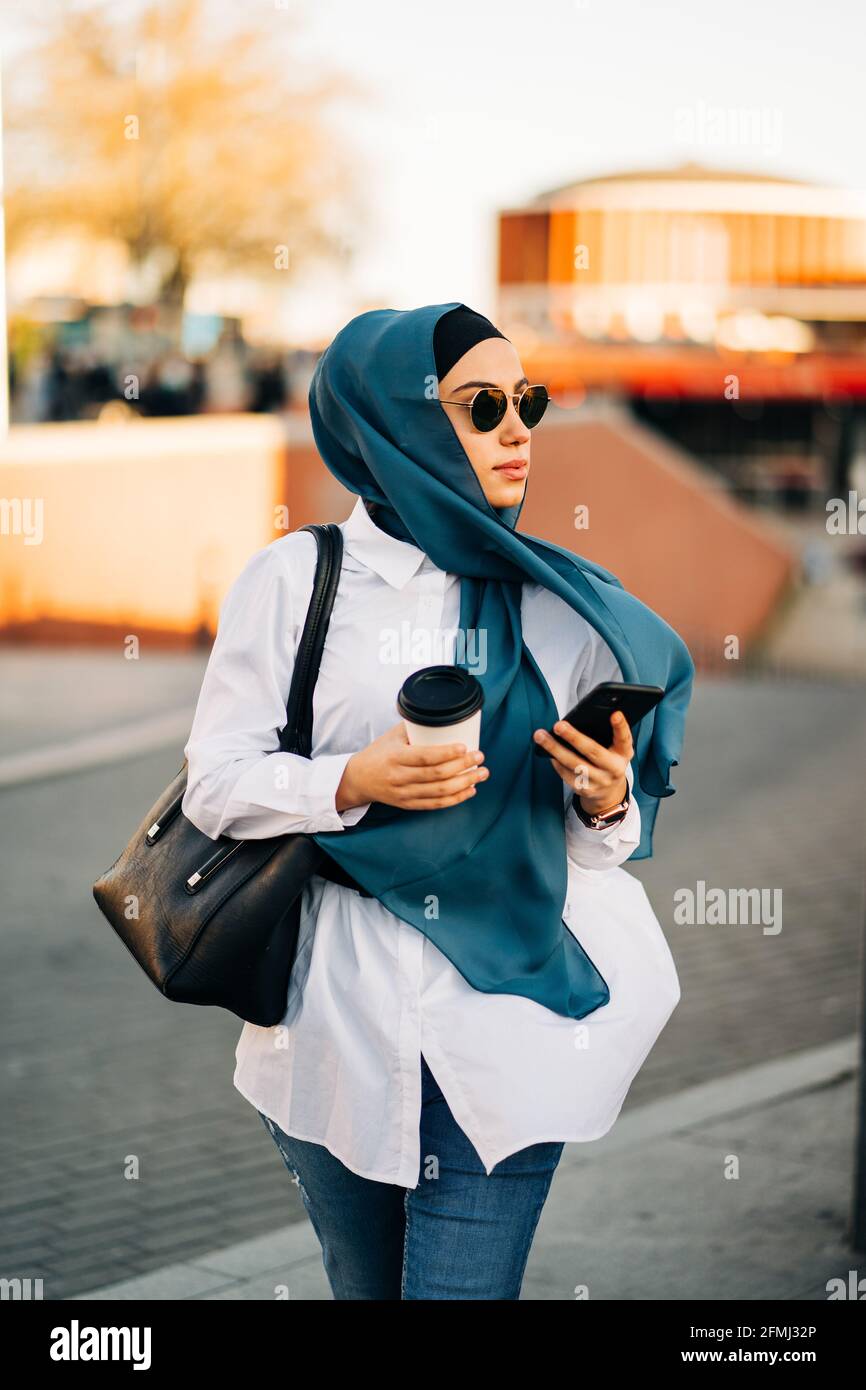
[(488, 406)]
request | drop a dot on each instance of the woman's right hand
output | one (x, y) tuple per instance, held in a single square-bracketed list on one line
[(394, 771)]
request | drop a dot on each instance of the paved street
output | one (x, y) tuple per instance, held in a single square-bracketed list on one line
[(97, 1067), (651, 1211)]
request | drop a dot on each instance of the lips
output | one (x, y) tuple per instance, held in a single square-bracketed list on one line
[(516, 468)]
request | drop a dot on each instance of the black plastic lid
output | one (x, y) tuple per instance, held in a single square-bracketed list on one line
[(439, 695)]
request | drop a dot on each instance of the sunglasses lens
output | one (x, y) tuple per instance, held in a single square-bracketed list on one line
[(533, 404), (488, 409)]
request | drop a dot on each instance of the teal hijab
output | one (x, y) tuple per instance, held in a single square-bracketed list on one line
[(485, 880)]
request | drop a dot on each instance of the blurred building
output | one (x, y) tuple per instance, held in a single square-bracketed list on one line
[(728, 310)]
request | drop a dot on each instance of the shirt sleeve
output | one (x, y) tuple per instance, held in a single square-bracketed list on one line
[(603, 849), (238, 783), (600, 849)]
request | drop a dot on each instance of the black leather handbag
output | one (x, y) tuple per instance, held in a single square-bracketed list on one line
[(217, 921)]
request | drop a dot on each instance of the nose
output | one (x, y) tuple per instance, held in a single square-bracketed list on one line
[(513, 428)]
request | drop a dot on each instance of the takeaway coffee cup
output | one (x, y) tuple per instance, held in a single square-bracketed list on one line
[(442, 704)]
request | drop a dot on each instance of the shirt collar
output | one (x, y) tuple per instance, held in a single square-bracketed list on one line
[(394, 561)]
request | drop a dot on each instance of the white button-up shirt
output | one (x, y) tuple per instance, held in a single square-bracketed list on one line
[(369, 993)]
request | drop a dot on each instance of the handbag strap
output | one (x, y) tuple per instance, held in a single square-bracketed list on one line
[(297, 736)]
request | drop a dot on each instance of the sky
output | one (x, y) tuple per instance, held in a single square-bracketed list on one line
[(476, 105), (482, 105)]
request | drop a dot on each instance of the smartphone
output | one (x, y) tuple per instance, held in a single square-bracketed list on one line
[(591, 715)]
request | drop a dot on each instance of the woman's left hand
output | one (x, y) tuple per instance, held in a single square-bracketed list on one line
[(596, 773)]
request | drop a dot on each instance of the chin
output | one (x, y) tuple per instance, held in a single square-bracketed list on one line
[(507, 494)]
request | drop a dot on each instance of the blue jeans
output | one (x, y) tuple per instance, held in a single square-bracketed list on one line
[(459, 1235)]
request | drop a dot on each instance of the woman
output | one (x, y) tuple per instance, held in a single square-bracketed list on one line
[(493, 981)]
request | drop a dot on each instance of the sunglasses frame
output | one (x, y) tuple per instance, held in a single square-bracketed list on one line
[(516, 396)]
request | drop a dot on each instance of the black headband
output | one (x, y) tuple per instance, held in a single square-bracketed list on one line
[(456, 332)]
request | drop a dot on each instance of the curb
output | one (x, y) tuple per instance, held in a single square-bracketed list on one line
[(95, 750)]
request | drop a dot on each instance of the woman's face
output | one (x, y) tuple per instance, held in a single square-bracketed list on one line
[(493, 362)]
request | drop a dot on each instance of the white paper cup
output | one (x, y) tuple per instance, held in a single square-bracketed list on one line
[(441, 704), (468, 731)]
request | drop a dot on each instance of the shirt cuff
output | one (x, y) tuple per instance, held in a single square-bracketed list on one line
[(261, 798), (332, 766), (603, 849)]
